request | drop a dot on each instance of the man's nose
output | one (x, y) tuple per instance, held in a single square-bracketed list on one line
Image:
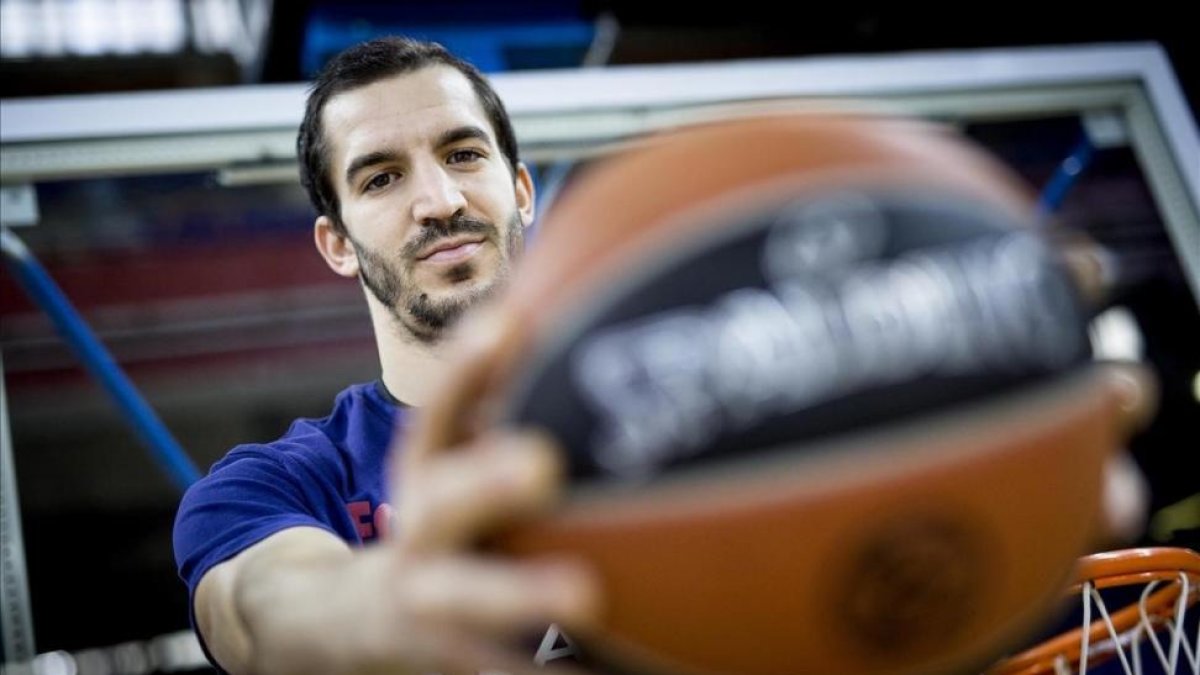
[(437, 196)]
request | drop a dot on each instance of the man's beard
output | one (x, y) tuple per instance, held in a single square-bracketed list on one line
[(391, 282)]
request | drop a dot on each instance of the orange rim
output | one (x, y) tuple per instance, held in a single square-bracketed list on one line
[(1108, 570)]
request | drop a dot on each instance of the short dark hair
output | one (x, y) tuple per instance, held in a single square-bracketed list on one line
[(364, 64)]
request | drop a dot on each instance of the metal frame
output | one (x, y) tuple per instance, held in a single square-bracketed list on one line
[(248, 133), (16, 626)]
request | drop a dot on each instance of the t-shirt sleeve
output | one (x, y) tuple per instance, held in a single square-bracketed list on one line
[(248, 496)]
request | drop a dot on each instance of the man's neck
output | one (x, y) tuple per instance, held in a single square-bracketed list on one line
[(411, 368)]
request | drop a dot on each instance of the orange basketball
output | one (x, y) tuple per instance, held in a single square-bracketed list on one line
[(825, 394)]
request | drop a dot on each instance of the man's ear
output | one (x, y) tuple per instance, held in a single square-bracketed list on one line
[(335, 247), (525, 196)]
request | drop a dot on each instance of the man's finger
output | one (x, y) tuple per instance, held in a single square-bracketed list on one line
[(1092, 267), (498, 598), (451, 419), (455, 497), (1126, 500)]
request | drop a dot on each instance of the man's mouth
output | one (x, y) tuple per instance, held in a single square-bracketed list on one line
[(454, 249)]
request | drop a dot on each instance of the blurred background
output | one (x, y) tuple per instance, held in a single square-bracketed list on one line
[(206, 287)]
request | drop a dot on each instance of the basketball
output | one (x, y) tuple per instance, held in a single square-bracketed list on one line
[(824, 392)]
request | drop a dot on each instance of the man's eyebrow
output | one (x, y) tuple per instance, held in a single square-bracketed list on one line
[(384, 156), (370, 159), (461, 134)]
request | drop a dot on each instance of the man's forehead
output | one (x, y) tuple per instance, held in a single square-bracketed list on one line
[(407, 108)]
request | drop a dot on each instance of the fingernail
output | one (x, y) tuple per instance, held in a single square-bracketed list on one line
[(529, 459)]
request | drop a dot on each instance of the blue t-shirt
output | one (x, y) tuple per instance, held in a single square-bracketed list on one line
[(328, 473)]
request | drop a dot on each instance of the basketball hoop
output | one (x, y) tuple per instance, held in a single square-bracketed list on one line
[(1151, 628)]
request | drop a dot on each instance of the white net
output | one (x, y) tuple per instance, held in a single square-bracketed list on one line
[(1160, 630)]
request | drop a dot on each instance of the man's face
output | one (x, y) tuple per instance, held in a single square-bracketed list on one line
[(433, 212)]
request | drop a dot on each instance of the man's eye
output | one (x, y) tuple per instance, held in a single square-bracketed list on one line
[(466, 155), (380, 181)]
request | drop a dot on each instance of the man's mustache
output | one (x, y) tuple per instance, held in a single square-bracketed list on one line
[(442, 229)]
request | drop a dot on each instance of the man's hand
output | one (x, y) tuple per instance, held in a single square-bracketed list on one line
[(423, 601)]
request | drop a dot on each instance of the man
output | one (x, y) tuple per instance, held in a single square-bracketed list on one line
[(410, 159), (411, 162)]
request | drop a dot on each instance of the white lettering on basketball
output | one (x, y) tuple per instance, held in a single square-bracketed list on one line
[(665, 385)]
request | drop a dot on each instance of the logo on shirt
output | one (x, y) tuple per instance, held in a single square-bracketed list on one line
[(371, 524)]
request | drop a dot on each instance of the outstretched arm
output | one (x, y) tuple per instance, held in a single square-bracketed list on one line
[(303, 601)]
